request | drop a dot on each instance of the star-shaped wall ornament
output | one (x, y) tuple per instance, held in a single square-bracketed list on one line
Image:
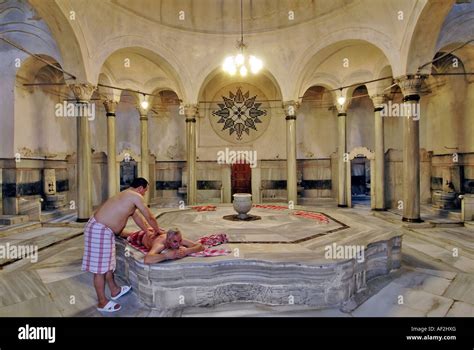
[(239, 113)]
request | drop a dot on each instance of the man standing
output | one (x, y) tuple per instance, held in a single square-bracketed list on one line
[(99, 239)]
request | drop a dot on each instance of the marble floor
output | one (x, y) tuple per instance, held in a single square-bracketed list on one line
[(436, 278)]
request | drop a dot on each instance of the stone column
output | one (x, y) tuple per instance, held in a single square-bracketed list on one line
[(83, 93), (226, 176), (144, 170), (378, 181), (191, 112), (290, 108), (112, 175), (342, 163), (411, 87)]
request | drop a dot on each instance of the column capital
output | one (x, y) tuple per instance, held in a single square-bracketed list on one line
[(379, 101), (290, 108), (191, 111), (341, 110), (410, 85), (82, 91), (143, 112), (110, 107)]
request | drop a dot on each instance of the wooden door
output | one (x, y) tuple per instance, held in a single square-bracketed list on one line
[(241, 178)]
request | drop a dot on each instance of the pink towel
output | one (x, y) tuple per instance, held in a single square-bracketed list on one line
[(205, 208), (213, 240), (269, 206), (99, 248), (322, 219), (211, 252)]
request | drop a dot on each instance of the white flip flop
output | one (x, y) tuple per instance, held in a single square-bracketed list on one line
[(110, 307), (123, 290)]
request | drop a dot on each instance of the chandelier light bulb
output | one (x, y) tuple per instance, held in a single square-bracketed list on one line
[(255, 64), (243, 71), (228, 64), (232, 70), (239, 59)]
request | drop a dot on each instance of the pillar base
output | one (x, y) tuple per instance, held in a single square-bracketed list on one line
[(342, 205), (379, 209), (416, 221), (82, 220)]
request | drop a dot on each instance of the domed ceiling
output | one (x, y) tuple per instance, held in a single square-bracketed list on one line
[(223, 16)]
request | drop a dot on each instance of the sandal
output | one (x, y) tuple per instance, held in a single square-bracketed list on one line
[(110, 307), (123, 290)]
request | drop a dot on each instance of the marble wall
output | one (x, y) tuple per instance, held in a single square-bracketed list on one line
[(22, 185)]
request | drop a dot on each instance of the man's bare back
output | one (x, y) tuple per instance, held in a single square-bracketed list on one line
[(115, 212)]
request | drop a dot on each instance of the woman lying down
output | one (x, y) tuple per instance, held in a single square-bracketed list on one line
[(168, 246)]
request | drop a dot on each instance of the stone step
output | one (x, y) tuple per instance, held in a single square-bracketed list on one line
[(13, 219), (41, 238), (19, 228), (447, 224), (53, 214), (447, 214), (433, 224)]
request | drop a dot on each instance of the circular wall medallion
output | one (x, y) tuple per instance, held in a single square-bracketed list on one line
[(242, 116)]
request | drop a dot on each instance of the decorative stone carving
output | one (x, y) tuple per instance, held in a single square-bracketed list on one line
[(49, 181), (110, 106), (290, 108), (410, 85), (82, 91), (361, 151), (379, 100), (191, 111), (242, 116)]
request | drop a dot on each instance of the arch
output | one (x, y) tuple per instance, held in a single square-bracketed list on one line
[(105, 92), (324, 80), (31, 101), (420, 47), (348, 35), (457, 28), (214, 73), (465, 54), (158, 54), (128, 153), (71, 44), (361, 151), (370, 155)]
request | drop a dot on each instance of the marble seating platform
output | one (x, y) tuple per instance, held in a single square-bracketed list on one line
[(279, 260)]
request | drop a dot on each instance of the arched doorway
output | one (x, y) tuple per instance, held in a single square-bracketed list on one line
[(128, 168), (360, 175)]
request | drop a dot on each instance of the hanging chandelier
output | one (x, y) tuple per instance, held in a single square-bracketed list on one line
[(240, 62)]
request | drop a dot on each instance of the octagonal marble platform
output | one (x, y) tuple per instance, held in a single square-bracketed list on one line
[(278, 260)]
